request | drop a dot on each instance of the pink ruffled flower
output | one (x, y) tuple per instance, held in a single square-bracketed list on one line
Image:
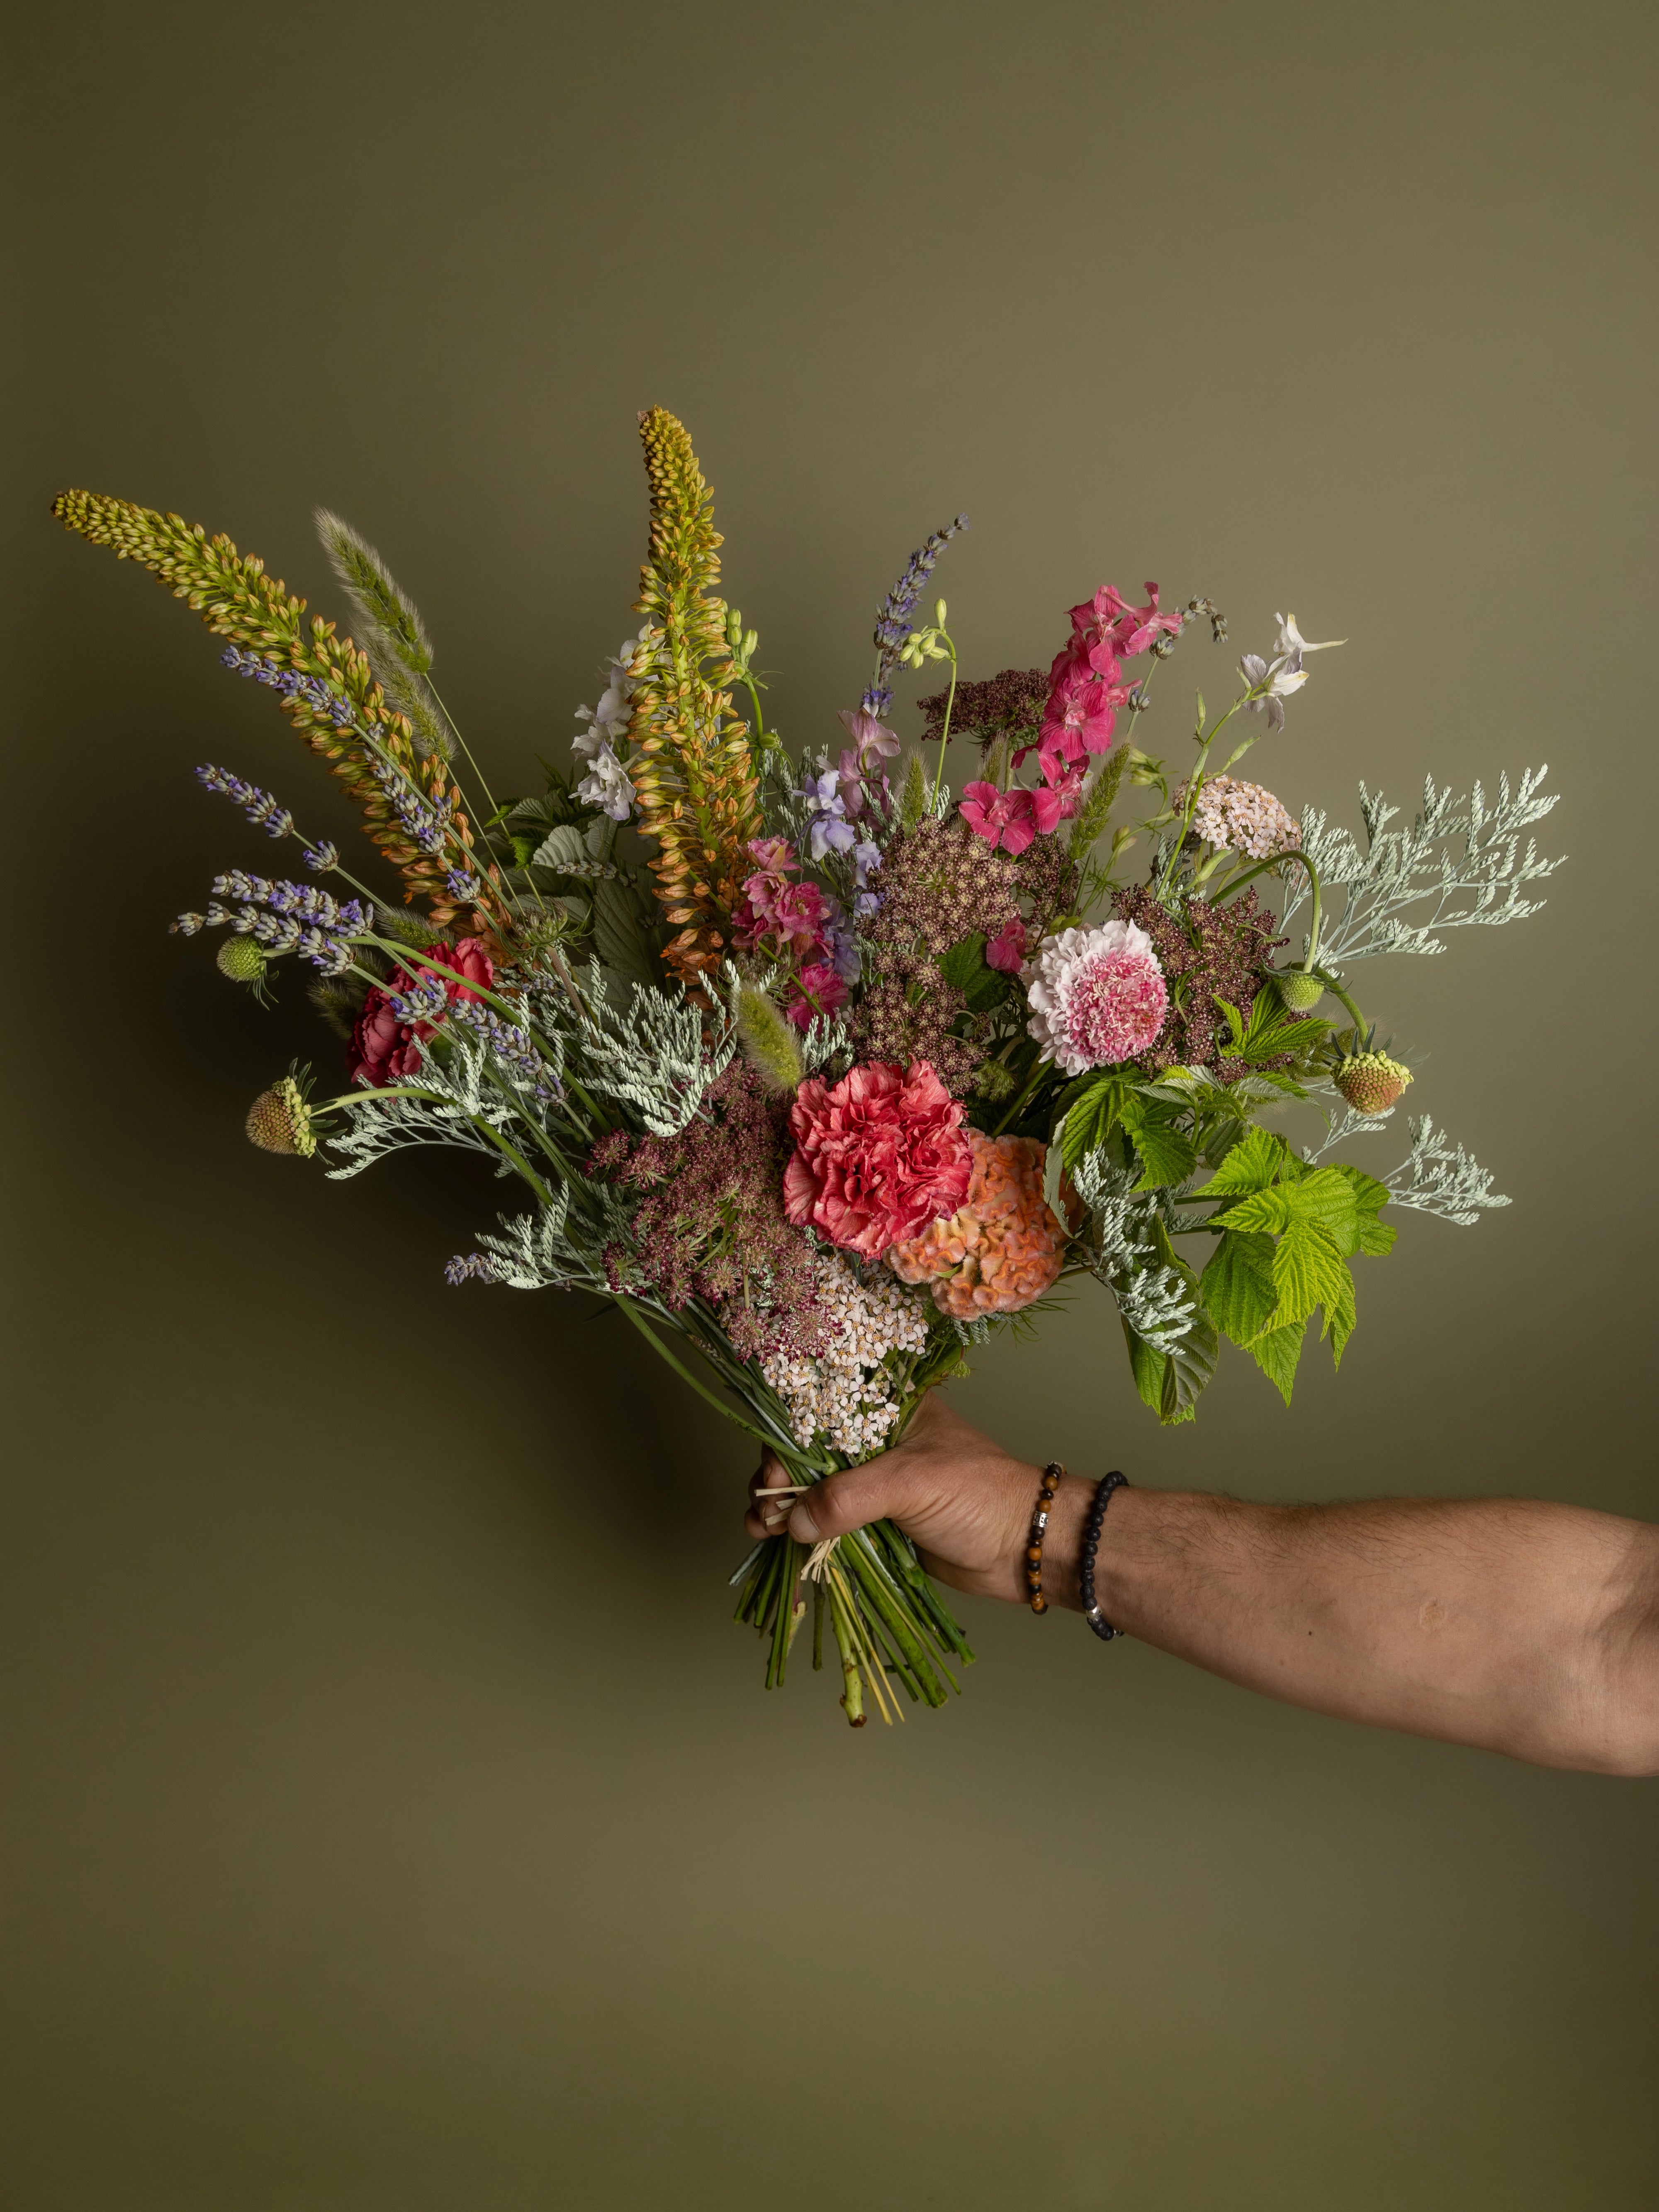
[(1097, 996), (877, 1157), (1007, 950), (793, 914), (1002, 1248), (821, 991)]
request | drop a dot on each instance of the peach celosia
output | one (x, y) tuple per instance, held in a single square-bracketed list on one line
[(1002, 1248)]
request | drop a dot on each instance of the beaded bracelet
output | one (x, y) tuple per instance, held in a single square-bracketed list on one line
[(1051, 1480), (1085, 1573)]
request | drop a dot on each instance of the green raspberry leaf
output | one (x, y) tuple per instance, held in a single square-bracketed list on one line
[(1251, 1165), (1239, 1290)]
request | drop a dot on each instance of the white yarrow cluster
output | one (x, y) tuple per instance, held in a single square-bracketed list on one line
[(844, 1396), (1244, 818), (607, 784)]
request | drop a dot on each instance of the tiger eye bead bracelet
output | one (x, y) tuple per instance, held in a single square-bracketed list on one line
[(1051, 1480)]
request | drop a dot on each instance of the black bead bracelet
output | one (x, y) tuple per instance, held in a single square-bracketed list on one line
[(1085, 1573)]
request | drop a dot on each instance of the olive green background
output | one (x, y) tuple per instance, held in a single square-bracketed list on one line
[(392, 1818)]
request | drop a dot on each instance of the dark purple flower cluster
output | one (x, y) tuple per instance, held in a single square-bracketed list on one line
[(1009, 704), (893, 619), (940, 884), (1209, 952), (710, 1223)]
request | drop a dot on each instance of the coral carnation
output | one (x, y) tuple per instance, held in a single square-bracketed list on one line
[(877, 1157), (1097, 996), (1000, 1251)]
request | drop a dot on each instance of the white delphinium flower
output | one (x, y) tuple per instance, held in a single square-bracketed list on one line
[(607, 785), (1284, 674)]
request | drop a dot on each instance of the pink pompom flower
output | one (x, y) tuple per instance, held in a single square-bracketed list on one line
[(877, 1156), (1097, 996)]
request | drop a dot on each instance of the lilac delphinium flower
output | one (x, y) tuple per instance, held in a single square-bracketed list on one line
[(829, 829), (893, 619)]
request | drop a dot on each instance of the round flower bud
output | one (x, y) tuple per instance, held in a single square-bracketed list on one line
[(1299, 992), (279, 1120), (241, 959), (1370, 1081)]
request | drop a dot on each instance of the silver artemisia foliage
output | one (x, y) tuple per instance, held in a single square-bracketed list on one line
[(660, 1057), (381, 1126), (1154, 1300), (539, 1251), (1462, 855), (1440, 1178)]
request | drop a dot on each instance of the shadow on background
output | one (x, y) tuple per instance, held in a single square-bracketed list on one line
[(393, 1817)]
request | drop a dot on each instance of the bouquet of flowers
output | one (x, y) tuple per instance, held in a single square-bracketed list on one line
[(818, 1071)]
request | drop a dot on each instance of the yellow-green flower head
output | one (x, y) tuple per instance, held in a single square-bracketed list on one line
[(1370, 1081), (241, 959), (1300, 992), (279, 1120)]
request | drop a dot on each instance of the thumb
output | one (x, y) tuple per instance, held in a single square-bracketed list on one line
[(881, 1490)]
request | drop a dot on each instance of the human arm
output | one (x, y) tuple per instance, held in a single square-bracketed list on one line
[(1508, 1624)]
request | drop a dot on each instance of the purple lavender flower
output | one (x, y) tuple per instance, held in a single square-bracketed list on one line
[(292, 685), (259, 806), (472, 1267), (284, 917), (322, 857), (893, 619)]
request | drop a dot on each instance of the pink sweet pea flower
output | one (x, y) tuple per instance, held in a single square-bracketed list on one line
[(1001, 817), (1008, 948), (822, 992)]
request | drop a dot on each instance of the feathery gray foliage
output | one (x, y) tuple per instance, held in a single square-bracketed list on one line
[(654, 1057), (1154, 1300), (391, 631), (1439, 1177), (533, 1253), (1461, 854), (1346, 1122)]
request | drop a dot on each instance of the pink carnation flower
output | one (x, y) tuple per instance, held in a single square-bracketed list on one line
[(877, 1157), (1097, 996)]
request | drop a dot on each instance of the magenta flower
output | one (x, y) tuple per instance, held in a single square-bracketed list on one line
[(1081, 714), (1007, 949), (1109, 625), (820, 991), (1004, 818)]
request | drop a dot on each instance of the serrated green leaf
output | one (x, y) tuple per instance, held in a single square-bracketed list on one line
[(1375, 1238), (1054, 1167), (1090, 1116), (1308, 1271), (1340, 1314), (1268, 1210), (1240, 1294), (620, 938), (1249, 1166), (1166, 1153), (1277, 1353), (560, 846), (1326, 1196), (1146, 1365)]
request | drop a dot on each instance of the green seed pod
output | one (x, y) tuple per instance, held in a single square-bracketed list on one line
[(242, 960), (1300, 992), (993, 1082)]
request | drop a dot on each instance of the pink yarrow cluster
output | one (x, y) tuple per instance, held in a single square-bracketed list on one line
[(1084, 696), (790, 920)]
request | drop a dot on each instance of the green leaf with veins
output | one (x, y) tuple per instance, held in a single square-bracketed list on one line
[(1308, 1271), (1238, 1288), (1251, 1165), (1166, 1153), (1277, 1353)]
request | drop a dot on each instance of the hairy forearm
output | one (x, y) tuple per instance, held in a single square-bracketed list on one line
[(1526, 1628)]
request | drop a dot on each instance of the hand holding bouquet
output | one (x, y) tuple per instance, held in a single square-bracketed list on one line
[(819, 1074)]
